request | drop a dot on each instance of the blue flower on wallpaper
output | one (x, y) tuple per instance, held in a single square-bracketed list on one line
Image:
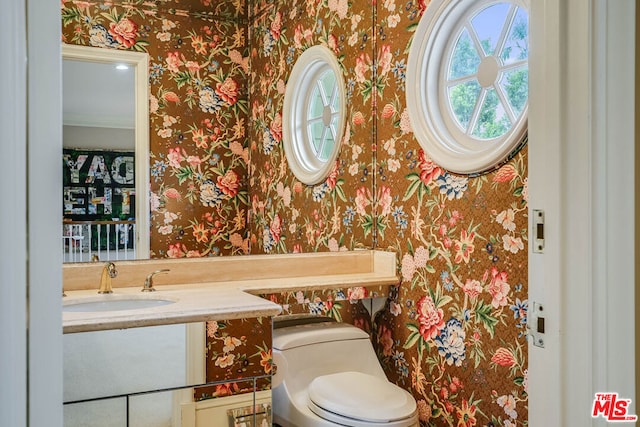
[(319, 191), (157, 170), (520, 309), (210, 102), (349, 214), (268, 242), (452, 186), (316, 307), (450, 342), (210, 194), (100, 37), (400, 217)]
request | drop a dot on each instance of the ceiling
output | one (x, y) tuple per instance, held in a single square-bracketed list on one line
[(97, 95)]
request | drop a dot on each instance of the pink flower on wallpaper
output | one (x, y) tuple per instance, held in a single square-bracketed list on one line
[(340, 7), (472, 288), (212, 328), (276, 26), (194, 161), (358, 118), (405, 122), (176, 251), (124, 31), (388, 111), (363, 196), (333, 176), (498, 288), (172, 193), (362, 66), (237, 241), (384, 59), (503, 357), (174, 62), (385, 200), (357, 293), (385, 339), (422, 6), (276, 228), (228, 183), (512, 244), (408, 267), (276, 127), (507, 218), (431, 319), (505, 174), (332, 43), (171, 97), (228, 90), (301, 35), (464, 247), (429, 171), (174, 157)]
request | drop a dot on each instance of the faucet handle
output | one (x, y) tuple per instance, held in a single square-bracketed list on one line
[(148, 282)]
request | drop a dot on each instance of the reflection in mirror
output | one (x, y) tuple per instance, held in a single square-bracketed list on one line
[(106, 154)]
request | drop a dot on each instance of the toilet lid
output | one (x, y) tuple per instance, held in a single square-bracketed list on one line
[(362, 397)]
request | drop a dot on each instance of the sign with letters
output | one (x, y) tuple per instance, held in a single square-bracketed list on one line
[(98, 185)]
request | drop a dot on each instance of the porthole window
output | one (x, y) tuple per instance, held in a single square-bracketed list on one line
[(468, 82), (313, 114)]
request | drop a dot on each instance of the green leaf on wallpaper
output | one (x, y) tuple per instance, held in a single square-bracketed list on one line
[(182, 78), (380, 225), (243, 197), (412, 27), (367, 89), (518, 191), (413, 337), (242, 106), (367, 224), (141, 46), (430, 268), (410, 247), (70, 15), (483, 315), (339, 191), (184, 174), (518, 381), (414, 179)]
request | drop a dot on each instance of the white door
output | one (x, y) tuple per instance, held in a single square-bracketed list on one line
[(581, 175)]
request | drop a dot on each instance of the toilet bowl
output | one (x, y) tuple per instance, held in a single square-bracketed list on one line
[(327, 375)]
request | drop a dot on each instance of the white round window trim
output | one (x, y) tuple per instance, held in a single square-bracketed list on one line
[(309, 67), (432, 126)]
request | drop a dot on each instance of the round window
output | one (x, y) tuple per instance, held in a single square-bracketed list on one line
[(469, 65), (313, 114)]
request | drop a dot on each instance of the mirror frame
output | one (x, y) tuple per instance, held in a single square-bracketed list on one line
[(140, 63)]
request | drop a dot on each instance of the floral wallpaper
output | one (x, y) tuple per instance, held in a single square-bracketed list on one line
[(198, 105), (237, 353), (453, 331)]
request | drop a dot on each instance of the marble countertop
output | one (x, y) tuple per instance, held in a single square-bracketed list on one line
[(189, 303), (220, 288)]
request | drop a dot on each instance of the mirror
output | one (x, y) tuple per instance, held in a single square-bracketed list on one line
[(106, 159)]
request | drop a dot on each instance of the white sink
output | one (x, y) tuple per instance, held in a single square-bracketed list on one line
[(114, 303)]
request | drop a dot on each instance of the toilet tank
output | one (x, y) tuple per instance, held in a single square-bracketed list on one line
[(305, 351)]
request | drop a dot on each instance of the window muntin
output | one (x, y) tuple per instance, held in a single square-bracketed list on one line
[(479, 50)]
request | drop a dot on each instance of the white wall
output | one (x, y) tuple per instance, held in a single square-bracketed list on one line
[(97, 138)]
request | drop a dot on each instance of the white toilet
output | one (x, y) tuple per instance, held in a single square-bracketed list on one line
[(328, 375)]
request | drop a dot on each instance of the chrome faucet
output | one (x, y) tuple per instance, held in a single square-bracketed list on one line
[(148, 283), (108, 272)]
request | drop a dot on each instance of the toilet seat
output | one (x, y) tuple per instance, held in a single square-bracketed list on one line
[(356, 399)]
